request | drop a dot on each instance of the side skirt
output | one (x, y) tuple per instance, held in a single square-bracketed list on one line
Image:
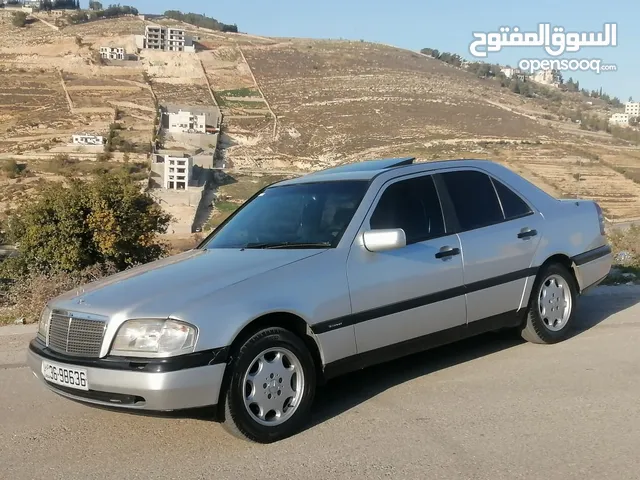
[(358, 361)]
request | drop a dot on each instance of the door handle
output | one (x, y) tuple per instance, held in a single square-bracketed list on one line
[(447, 251), (527, 232)]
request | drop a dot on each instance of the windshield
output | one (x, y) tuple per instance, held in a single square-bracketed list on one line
[(307, 215)]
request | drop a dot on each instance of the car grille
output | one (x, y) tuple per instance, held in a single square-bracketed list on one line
[(76, 336)]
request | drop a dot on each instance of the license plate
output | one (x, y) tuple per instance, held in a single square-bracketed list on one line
[(65, 376)]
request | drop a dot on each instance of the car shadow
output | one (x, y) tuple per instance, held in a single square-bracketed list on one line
[(346, 392)]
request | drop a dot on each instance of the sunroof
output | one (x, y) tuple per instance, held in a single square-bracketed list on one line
[(369, 165)]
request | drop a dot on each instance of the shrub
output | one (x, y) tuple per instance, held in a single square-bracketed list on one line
[(19, 19), (627, 241), (27, 294), (87, 223), (11, 168)]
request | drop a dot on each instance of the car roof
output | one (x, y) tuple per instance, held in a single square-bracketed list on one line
[(369, 169)]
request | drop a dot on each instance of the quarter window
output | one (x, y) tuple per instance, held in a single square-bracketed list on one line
[(412, 205), (512, 205), (474, 199)]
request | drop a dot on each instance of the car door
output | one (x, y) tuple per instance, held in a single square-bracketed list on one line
[(499, 233), (413, 291)]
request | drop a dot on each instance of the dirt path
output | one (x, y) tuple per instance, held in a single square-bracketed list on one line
[(206, 79), (50, 25), (66, 93), (255, 82)]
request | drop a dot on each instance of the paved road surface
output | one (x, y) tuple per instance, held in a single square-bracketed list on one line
[(487, 408)]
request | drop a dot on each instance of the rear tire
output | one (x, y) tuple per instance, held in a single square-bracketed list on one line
[(271, 388), (551, 307)]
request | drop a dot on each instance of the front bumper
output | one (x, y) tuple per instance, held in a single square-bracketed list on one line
[(132, 386)]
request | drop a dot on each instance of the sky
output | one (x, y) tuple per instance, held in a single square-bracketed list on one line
[(445, 25)]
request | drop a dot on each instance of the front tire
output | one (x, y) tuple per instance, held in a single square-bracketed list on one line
[(271, 389), (551, 307)]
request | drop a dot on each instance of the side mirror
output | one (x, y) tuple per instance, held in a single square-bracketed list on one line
[(383, 240)]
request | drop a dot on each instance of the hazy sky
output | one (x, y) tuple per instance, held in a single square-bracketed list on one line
[(445, 25)]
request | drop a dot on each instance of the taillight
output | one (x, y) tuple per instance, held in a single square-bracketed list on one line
[(600, 218)]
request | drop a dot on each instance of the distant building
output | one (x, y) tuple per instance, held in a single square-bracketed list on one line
[(513, 73), (546, 77), (186, 122), (510, 72), (19, 7), (113, 53), (632, 109), (178, 170), (190, 119), (83, 139), (168, 39), (621, 119)]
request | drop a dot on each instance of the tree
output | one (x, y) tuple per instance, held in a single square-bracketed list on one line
[(19, 19), (200, 21), (230, 28), (87, 223), (571, 85), (95, 6)]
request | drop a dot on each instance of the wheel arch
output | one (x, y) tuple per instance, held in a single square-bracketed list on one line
[(566, 262), (557, 258), (287, 320)]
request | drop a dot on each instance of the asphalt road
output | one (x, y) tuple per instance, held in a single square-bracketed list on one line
[(487, 408)]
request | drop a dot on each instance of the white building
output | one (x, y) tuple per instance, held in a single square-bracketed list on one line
[(632, 109), (545, 77), (186, 121), (511, 72), (112, 53), (621, 119), (178, 172), (83, 139), (168, 39)]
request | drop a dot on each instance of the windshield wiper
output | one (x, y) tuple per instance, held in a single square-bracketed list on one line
[(271, 245)]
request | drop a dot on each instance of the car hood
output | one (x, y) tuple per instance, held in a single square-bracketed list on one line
[(159, 288)]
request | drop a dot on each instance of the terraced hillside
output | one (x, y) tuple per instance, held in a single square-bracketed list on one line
[(294, 105)]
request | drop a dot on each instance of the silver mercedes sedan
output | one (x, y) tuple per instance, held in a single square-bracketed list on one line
[(321, 275)]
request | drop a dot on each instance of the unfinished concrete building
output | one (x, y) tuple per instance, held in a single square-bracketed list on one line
[(169, 39)]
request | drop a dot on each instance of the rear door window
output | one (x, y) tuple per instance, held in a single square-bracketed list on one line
[(512, 205), (474, 198)]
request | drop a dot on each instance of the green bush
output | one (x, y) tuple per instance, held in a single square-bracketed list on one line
[(19, 19), (87, 223)]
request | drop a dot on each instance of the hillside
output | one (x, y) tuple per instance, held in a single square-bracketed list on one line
[(294, 105)]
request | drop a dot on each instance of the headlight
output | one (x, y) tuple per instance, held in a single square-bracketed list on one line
[(154, 338), (43, 325)]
